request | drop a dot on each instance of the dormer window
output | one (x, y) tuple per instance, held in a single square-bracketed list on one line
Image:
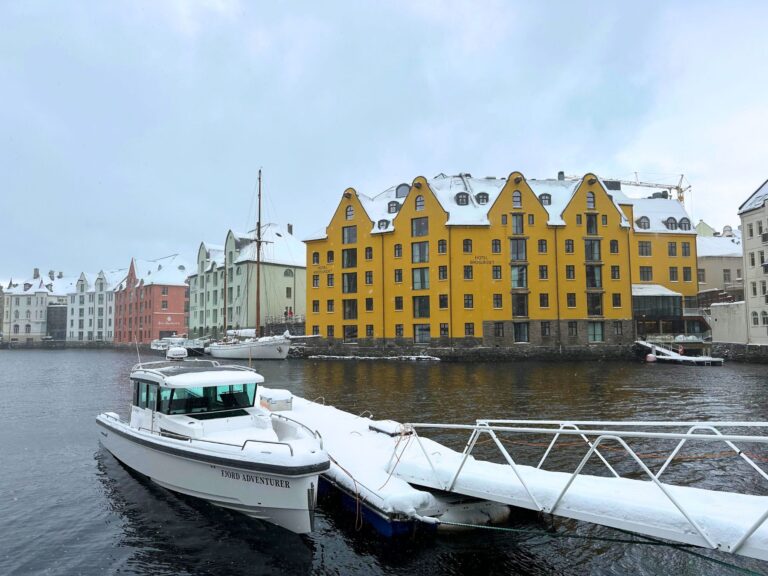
[(545, 199), (685, 224), (402, 191), (517, 199), (350, 214), (419, 203), (643, 223), (671, 223), (383, 224), (462, 198), (482, 198), (590, 200), (393, 207)]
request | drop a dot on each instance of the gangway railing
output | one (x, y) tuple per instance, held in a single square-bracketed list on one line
[(548, 491)]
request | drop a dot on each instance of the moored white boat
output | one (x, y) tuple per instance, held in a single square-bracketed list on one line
[(249, 348), (194, 429)]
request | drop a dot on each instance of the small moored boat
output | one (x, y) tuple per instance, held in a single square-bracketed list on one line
[(195, 429)]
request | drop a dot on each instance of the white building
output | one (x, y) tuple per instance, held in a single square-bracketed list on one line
[(754, 228), (224, 286), (91, 306), (27, 304)]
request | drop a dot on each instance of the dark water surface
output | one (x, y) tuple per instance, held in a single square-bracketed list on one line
[(67, 507)]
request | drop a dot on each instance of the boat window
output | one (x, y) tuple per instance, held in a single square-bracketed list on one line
[(152, 396), (209, 399), (142, 395)]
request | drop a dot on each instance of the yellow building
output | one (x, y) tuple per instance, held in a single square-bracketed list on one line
[(461, 260)]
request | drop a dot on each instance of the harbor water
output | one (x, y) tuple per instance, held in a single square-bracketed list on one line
[(68, 507)]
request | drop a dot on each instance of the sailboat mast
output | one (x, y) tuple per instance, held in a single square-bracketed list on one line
[(258, 262)]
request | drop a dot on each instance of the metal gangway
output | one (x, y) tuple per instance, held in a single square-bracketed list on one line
[(664, 353), (729, 521)]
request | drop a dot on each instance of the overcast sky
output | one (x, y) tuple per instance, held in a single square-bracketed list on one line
[(138, 128)]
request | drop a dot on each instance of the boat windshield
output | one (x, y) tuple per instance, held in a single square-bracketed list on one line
[(207, 399)]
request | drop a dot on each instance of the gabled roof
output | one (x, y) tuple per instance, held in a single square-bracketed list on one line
[(756, 200), (277, 247), (167, 271)]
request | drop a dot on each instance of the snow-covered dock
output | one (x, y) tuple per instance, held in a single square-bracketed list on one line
[(400, 478)]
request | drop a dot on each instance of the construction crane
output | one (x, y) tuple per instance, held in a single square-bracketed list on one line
[(679, 188)]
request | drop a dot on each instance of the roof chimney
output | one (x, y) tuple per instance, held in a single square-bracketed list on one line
[(290, 229), (561, 175), (60, 274), (51, 274), (36, 274)]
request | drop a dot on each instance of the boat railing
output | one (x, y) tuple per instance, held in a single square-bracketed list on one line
[(596, 434), (145, 366), (315, 433)]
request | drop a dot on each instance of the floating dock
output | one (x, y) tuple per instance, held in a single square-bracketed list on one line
[(396, 479), (665, 354)]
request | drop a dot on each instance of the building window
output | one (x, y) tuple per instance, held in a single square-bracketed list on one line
[(686, 249), (315, 280), (570, 272), (393, 207), (468, 273), (754, 288), (349, 258), (329, 257), (421, 306), (398, 302), (616, 297), (646, 273), (517, 249), (671, 223), (751, 261), (419, 203), (595, 331), (592, 250), (329, 331), (482, 198), (604, 219), (530, 219), (398, 330), (467, 246), (349, 309), (764, 316), (726, 275), (420, 277), (419, 252), (469, 301), (462, 198), (315, 257), (617, 328), (369, 330), (591, 223), (685, 224), (545, 329), (594, 276), (419, 226), (615, 273), (398, 251), (755, 319), (542, 246), (701, 275), (573, 328), (496, 272), (498, 329), (368, 253), (519, 276), (543, 272), (671, 248), (503, 219), (443, 329), (569, 246), (545, 199), (578, 219), (644, 248), (369, 304), (349, 234), (517, 199), (398, 275), (497, 301), (544, 300), (368, 277), (442, 246), (442, 272), (349, 282), (643, 223), (517, 224), (521, 331), (421, 334), (442, 301), (164, 304), (469, 329), (316, 306), (614, 247), (673, 274), (594, 304), (590, 200), (329, 280), (350, 213), (287, 292), (519, 304), (496, 246), (571, 299), (329, 306)]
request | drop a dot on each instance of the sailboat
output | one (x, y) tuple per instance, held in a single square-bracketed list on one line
[(245, 344)]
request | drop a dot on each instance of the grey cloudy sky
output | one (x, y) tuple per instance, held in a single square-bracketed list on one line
[(137, 128)]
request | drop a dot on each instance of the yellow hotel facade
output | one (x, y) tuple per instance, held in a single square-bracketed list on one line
[(459, 260)]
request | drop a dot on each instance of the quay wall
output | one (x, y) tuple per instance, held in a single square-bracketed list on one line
[(738, 352)]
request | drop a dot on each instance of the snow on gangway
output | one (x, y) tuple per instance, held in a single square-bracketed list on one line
[(385, 469)]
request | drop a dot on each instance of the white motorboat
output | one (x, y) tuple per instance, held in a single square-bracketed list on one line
[(163, 344), (237, 346), (195, 428)]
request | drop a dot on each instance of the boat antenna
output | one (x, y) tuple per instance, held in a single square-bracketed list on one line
[(135, 341)]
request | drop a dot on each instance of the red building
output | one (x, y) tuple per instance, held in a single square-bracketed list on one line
[(152, 301)]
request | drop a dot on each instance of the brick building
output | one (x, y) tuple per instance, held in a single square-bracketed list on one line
[(152, 301)]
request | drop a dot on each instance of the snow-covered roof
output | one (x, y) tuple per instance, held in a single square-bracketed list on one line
[(277, 247), (718, 246), (652, 290), (757, 199), (170, 270), (56, 287)]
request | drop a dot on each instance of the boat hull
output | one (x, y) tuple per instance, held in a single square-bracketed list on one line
[(251, 350), (256, 490)]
